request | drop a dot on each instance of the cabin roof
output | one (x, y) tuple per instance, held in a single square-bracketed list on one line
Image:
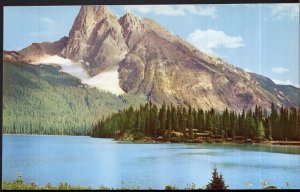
[(202, 134)]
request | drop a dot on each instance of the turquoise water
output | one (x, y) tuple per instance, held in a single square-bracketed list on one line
[(94, 162)]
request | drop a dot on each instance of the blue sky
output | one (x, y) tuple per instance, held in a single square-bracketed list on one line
[(261, 38)]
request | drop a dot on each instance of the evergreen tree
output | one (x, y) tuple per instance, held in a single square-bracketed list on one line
[(217, 181), (261, 131)]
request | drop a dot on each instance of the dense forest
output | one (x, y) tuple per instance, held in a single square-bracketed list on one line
[(42, 100), (151, 120)]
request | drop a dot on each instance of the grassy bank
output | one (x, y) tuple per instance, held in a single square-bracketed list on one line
[(20, 185), (216, 183)]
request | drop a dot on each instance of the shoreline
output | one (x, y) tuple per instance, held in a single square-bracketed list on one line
[(27, 134), (222, 143), (204, 143), (163, 142)]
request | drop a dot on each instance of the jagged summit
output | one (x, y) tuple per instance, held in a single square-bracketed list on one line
[(130, 19), (142, 57), (96, 38)]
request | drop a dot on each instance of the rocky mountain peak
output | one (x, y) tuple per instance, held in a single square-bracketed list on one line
[(89, 16), (150, 60), (132, 28), (95, 38), (129, 18), (130, 22), (95, 9)]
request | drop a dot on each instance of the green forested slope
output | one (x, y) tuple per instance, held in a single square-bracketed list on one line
[(42, 100)]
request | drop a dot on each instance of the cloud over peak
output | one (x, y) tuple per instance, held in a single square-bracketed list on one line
[(207, 40), (279, 70), (285, 82), (173, 10)]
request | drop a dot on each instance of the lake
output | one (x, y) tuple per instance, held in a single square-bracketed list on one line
[(86, 161)]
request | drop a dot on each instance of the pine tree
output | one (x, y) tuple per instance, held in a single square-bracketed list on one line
[(261, 131), (217, 181)]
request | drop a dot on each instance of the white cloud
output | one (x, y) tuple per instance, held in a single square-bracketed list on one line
[(279, 70), (173, 10), (211, 39), (282, 10), (285, 82)]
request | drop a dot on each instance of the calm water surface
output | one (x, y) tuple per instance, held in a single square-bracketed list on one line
[(94, 162)]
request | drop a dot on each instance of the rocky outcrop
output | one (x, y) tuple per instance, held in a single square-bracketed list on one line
[(36, 51), (12, 56)]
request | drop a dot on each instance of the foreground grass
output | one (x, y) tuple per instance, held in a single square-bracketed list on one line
[(216, 183), (20, 185)]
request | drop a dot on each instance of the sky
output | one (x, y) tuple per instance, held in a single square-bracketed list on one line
[(259, 38)]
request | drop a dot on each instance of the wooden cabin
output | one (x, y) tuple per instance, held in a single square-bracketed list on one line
[(159, 139), (176, 134), (217, 137), (229, 139), (248, 141), (202, 136)]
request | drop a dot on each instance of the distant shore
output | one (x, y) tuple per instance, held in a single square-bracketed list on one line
[(152, 141), (42, 134)]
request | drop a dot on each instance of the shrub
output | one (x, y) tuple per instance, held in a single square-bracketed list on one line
[(169, 187)]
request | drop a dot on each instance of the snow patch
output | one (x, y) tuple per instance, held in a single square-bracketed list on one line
[(67, 66), (106, 80)]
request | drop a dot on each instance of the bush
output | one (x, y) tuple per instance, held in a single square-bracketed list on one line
[(271, 187), (169, 187)]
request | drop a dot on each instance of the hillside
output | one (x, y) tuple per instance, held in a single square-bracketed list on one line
[(41, 100)]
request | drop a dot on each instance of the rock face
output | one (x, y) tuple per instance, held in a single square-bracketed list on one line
[(158, 64), (37, 51), (96, 39), (168, 69), (12, 56)]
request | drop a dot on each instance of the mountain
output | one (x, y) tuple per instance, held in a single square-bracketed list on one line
[(141, 57), (283, 92)]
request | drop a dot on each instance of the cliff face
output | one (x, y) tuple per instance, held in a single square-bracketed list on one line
[(96, 39), (153, 62), (168, 69)]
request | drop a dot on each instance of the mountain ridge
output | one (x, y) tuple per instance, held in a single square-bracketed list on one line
[(154, 62)]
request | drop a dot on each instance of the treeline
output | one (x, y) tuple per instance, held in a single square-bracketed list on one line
[(151, 120), (42, 100)]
